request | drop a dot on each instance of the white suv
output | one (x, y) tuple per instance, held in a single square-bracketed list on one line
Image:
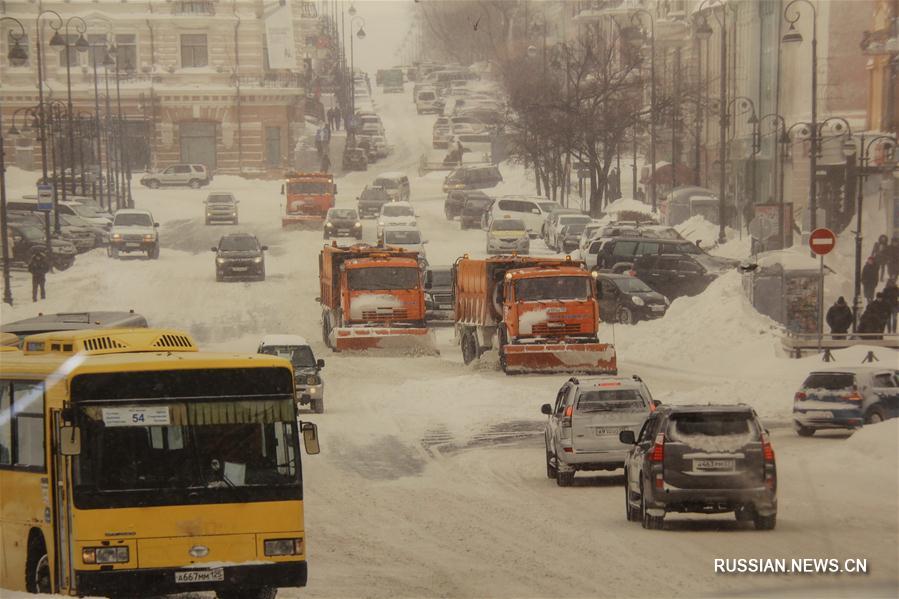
[(133, 231), (395, 213), (192, 175)]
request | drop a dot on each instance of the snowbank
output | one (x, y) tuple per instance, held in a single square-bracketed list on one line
[(697, 228), (629, 205)]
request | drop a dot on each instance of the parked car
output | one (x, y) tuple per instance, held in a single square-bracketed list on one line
[(705, 459), (89, 212), (82, 237), (590, 232), (551, 215), (452, 206), (439, 294), (355, 159), (570, 237), (396, 185), (239, 255), (554, 233), (380, 146), (620, 253), (133, 231), (395, 214), (192, 175), (474, 210), (440, 137), (405, 237), (100, 232), (677, 275), (221, 207), (342, 222), (627, 300), (310, 388), (25, 239), (526, 208), (583, 425), (371, 200), (472, 177), (508, 235), (845, 398)]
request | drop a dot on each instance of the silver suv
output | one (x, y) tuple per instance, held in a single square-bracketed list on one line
[(191, 175), (310, 387), (221, 207), (583, 426)]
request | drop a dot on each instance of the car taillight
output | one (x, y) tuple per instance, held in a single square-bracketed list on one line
[(658, 449), (566, 419), (800, 396), (854, 396), (767, 448)]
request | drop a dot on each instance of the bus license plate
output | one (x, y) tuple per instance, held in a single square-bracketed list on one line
[(713, 465), (189, 576)]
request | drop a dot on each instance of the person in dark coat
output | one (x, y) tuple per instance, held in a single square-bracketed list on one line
[(38, 266), (326, 163), (337, 118), (891, 296), (874, 319), (839, 318), (892, 258), (869, 278), (880, 252)]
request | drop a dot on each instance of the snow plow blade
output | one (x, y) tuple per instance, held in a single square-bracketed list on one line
[(586, 358), (402, 341), (303, 222)]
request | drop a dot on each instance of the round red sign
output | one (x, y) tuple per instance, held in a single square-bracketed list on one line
[(822, 241)]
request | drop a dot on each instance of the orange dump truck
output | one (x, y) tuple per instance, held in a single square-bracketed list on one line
[(372, 298), (307, 198), (541, 314)]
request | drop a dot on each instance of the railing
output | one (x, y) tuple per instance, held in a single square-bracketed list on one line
[(194, 7), (273, 80), (796, 343)]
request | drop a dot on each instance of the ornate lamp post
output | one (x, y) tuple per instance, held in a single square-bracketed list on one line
[(17, 56), (755, 144), (636, 17), (783, 141)]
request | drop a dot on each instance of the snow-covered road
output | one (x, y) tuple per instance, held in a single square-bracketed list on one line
[(431, 480)]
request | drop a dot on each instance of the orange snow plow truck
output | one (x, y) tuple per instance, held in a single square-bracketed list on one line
[(307, 198), (372, 298), (541, 314)]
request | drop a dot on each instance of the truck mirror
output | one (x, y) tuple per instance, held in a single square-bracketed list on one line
[(656, 403), (627, 437), (264, 248), (70, 440), (310, 438), (335, 188), (214, 249), (320, 363), (546, 409)]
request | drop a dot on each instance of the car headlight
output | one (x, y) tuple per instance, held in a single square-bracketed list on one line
[(638, 300), (357, 225), (257, 260), (429, 297), (328, 225), (208, 214), (219, 260), (667, 301), (104, 555), (281, 547), (380, 223), (148, 238), (116, 236), (233, 214)]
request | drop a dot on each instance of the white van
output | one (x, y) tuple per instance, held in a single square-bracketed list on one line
[(528, 209), (395, 184), (426, 100)]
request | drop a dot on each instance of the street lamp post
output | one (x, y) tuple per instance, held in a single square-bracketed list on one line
[(793, 36), (888, 144), (97, 130), (783, 141), (360, 33), (753, 120), (652, 100), (704, 31), (80, 45), (43, 118), (17, 56)]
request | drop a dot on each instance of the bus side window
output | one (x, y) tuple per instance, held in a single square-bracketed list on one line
[(5, 424), (28, 412)]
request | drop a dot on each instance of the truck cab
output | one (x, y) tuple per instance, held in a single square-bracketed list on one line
[(307, 198)]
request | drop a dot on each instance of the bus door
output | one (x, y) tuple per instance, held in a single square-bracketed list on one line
[(62, 510)]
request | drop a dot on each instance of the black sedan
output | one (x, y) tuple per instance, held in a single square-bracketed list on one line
[(342, 222), (627, 299)]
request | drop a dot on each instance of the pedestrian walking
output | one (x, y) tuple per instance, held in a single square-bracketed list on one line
[(839, 318), (326, 136), (330, 116), (326, 163), (38, 266), (869, 278), (891, 297), (337, 118), (892, 258), (875, 319), (319, 141), (881, 253)]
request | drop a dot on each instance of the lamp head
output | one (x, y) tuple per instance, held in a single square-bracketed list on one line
[(352, 10), (56, 41), (532, 51), (13, 130), (81, 44), (17, 55), (361, 33), (703, 31), (792, 36)]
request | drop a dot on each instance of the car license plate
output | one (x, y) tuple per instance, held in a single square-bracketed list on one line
[(604, 431), (189, 576), (239, 268), (446, 306), (822, 415), (132, 245), (713, 465), (658, 308)]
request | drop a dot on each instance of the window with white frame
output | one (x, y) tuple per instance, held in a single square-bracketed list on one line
[(126, 50), (194, 50)]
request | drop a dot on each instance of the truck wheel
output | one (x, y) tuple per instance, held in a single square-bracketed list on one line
[(112, 252), (219, 276), (154, 252), (318, 406), (469, 348), (649, 522), (194, 184), (874, 415), (564, 479), (502, 341), (804, 431), (37, 566), (764, 522), (550, 469)]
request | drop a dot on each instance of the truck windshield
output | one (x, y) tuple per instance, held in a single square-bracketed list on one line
[(383, 278), (611, 400), (299, 355), (308, 187), (197, 452), (553, 288)]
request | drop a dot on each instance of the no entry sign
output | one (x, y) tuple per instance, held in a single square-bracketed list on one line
[(822, 241)]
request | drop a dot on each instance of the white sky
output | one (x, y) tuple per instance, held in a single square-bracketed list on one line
[(386, 25)]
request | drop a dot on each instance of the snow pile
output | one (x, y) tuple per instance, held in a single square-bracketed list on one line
[(875, 443), (628, 205), (374, 301), (697, 228), (527, 320)]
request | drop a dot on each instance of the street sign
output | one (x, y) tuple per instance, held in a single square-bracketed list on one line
[(822, 241), (45, 197)]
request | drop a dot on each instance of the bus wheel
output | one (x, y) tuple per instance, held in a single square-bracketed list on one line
[(37, 573), (263, 593)]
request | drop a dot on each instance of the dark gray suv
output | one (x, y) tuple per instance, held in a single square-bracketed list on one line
[(704, 459)]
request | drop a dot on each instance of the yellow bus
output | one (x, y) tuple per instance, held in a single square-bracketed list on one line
[(133, 464)]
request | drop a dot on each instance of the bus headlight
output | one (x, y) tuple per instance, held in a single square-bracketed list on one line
[(280, 547), (104, 555)]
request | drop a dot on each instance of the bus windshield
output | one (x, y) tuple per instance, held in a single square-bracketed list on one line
[(239, 447)]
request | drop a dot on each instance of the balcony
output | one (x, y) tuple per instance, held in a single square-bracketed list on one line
[(194, 8), (879, 43), (592, 10)]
